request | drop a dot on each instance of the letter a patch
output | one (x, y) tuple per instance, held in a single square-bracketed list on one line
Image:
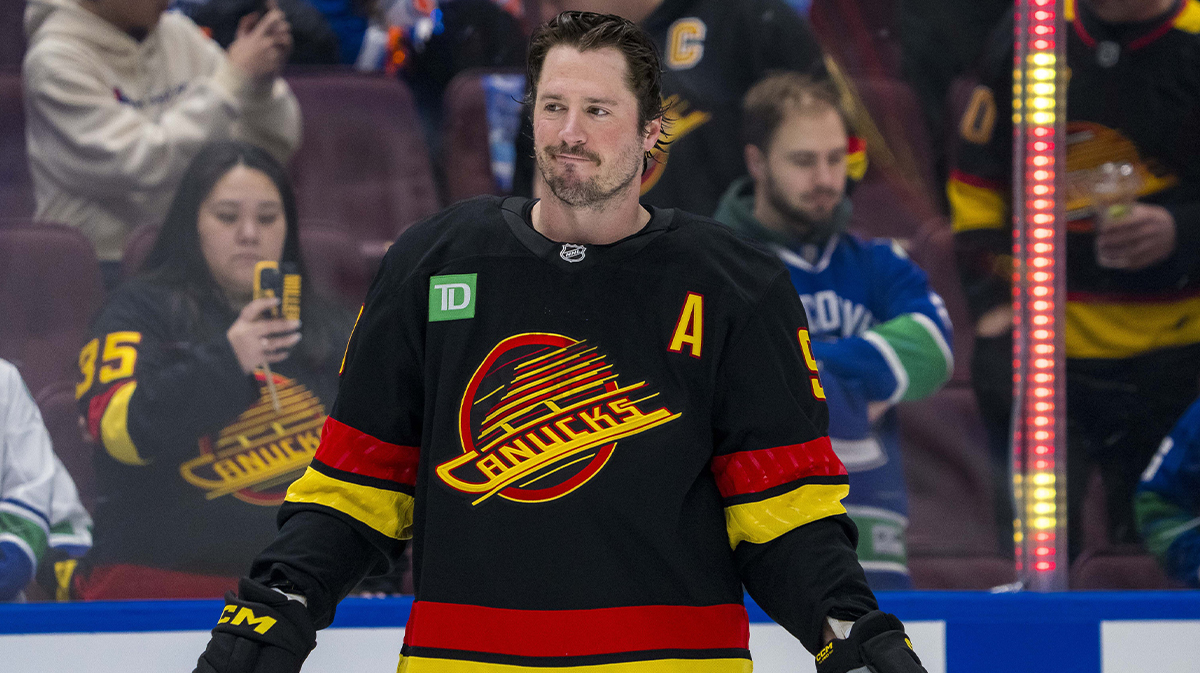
[(452, 297), (689, 331)]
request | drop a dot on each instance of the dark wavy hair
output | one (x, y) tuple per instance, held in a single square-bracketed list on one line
[(586, 31), (177, 260)]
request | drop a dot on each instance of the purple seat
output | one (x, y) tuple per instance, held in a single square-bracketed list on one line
[(50, 288), (1119, 567), (933, 251), (16, 187), (896, 197), (949, 476), (137, 248), (68, 434), (465, 137), (964, 573), (861, 34), (363, 161), (12, 34)]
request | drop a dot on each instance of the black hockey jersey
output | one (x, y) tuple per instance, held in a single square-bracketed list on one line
[(1133, 96), (591, 446), (195, 459)]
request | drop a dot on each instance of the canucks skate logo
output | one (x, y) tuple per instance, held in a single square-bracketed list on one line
[(540, 417), (572, 252)]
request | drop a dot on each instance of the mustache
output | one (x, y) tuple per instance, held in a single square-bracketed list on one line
[(819, 192), (563, 148)]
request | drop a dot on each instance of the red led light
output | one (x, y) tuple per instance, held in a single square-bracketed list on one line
[(1041, 276), (1044, 536), (1045, 565), (1044, 551), (1042, 161), (1043, 363), (1043, 30), (1043, 435), (1042, 450), (1041, 290), (1043, 176), (1043, 233), (1043, 334), (1043, 392), (1043, 378)]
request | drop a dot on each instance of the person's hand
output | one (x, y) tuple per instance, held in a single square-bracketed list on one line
[(995, 321), (256, 339), (1141, 239), (260, 631), (262, 45), (876, 643)]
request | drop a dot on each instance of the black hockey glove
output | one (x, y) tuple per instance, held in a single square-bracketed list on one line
[(876, 644), (260, 631)]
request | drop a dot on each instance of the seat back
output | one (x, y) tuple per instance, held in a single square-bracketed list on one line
[(69, 436), (949, 476), (363, 162), (1119, 567), (12, 34), (468, 126), (16, 187), (50, 288)]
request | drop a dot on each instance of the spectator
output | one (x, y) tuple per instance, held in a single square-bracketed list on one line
[(1132, 326), (195, 457), (120, 97), (879, 334), (713, 51), (41, 518), (1168, 501)]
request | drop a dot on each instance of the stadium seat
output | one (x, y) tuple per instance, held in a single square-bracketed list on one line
[(964, 573), (16, 187), (61, 416), (1119, 567), (363, 161), (897, 195), (137, 247), (861, 34), (468, 169), (948, 472), (12, 35), (50, 288), (933, 250)]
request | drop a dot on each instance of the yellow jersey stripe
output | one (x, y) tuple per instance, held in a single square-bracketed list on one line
[(1189, 19), (974, 207), (389, 512), (1124, 329), (114, 427), (430, 665), (765, 520)]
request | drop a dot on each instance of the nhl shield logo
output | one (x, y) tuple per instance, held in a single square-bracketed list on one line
[(572, 252)]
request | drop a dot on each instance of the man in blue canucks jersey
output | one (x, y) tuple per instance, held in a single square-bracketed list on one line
[(879, 334), (1167, 505)]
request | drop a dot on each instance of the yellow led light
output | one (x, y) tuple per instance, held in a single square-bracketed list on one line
[(1044, 508), (1043, 89), (1044, 522), (1043, 59), (1042, 103), (1043, 479), (1043, 118), (1044, 493), (1044, 74)]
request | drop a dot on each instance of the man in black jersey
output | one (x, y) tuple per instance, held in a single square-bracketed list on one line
[(596, 421), (1132, 329)]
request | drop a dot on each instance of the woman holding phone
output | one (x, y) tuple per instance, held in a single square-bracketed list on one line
[(193, 455)]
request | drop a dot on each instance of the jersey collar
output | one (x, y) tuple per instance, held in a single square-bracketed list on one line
[(574, 257), (1132, 36)]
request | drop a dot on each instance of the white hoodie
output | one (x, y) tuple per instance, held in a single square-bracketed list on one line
[(112, 123)]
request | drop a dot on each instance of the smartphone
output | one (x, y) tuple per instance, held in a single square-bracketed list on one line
[(271, 281)]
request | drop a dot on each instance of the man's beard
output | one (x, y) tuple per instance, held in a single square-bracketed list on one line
[(593, 192), (805, 226)]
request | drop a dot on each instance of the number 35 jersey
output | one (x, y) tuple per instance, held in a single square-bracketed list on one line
[(592, 446)]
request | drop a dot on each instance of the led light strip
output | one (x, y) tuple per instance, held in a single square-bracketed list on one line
[(1039, 288)]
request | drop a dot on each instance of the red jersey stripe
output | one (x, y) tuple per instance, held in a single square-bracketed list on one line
[(344, 448), (569, 633), (976, 181), (98, 405), (756, 471)]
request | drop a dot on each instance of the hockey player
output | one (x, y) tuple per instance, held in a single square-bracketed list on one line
[(41, 517), (879, 334), (1132, 327), (1167, 504), (713, 52), (596, 420)]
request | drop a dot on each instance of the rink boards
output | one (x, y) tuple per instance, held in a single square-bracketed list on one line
[(962, 632)]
